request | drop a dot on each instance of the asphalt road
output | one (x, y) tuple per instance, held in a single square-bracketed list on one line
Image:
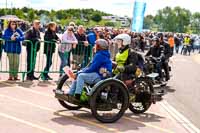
[(31, 107), (184, 87)]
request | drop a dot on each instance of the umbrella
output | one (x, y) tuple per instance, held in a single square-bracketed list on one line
[(10, 17)]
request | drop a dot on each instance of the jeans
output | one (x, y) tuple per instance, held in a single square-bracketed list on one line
[(64, 60), (89, 78), (177, 49), (159, 69), (48, 63), (31, 60), (172, 51)]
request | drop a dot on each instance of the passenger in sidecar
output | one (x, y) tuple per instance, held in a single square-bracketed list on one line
[(99, 68)]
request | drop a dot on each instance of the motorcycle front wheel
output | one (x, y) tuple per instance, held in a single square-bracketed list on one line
[(109, 102), (64, 85), (143, 90)]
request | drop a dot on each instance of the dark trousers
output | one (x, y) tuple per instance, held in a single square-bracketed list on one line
[(48, 63), (177, 49), (159, 69), (165, 66), (172, 51), (192, 48), (186, 49), (31, 58), (87, 56), (68, 59)]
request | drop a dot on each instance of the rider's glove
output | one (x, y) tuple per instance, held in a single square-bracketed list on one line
[(120, 68), (138, 72)]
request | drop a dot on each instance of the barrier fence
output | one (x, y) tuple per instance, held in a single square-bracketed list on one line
[(45, 57), (10, 61)]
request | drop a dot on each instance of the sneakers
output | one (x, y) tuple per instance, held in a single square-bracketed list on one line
[(45, 77), (13, 78), (16, 78), (48, 78), (72, 99), (10, 78), (31, 78)]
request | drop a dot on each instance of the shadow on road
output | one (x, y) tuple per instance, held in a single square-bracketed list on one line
[(169, 89), (46, 83), (145, 117), (26, 84), (79, 118), (13, 83)]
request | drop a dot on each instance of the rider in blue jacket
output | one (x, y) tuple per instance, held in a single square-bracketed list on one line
[(99, 68)]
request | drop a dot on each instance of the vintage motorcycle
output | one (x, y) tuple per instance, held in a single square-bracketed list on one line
[(107, 99), (151, 71)]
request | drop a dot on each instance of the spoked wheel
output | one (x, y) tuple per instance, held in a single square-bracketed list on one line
[(142, 93), (64, 85), (109, 101)]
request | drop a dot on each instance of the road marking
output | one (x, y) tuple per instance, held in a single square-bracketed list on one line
[(88, 122), (26, 123), (148, 125), (73, 117), (182, 120)]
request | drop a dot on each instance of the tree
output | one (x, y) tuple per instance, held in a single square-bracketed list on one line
[(31, 15), (165, 19), (96, 17), (195, 23), (173, 20), (182, 19), (25, 9), (109, 24), (19, 13), (148, 22), (52, 15)]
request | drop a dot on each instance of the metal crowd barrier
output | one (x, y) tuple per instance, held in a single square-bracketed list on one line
[(47, 59)]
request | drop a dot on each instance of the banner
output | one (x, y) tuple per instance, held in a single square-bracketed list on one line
[(138, 15)]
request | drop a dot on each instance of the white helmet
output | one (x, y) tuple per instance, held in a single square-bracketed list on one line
[(125, 37)]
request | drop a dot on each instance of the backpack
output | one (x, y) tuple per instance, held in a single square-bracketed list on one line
[(91, 37)]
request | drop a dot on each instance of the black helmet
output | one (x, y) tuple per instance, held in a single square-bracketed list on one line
[(160, 35)]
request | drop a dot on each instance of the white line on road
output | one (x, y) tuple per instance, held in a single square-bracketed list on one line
[(182, 120), (27, 123)]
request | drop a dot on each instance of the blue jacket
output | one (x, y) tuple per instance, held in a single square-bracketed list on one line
[(91, 37), (101, 60), (13, 46)]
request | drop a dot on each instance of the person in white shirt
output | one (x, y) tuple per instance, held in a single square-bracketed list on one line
[(67, 42)]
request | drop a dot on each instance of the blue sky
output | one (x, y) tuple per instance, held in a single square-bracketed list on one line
[(117, 7)]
